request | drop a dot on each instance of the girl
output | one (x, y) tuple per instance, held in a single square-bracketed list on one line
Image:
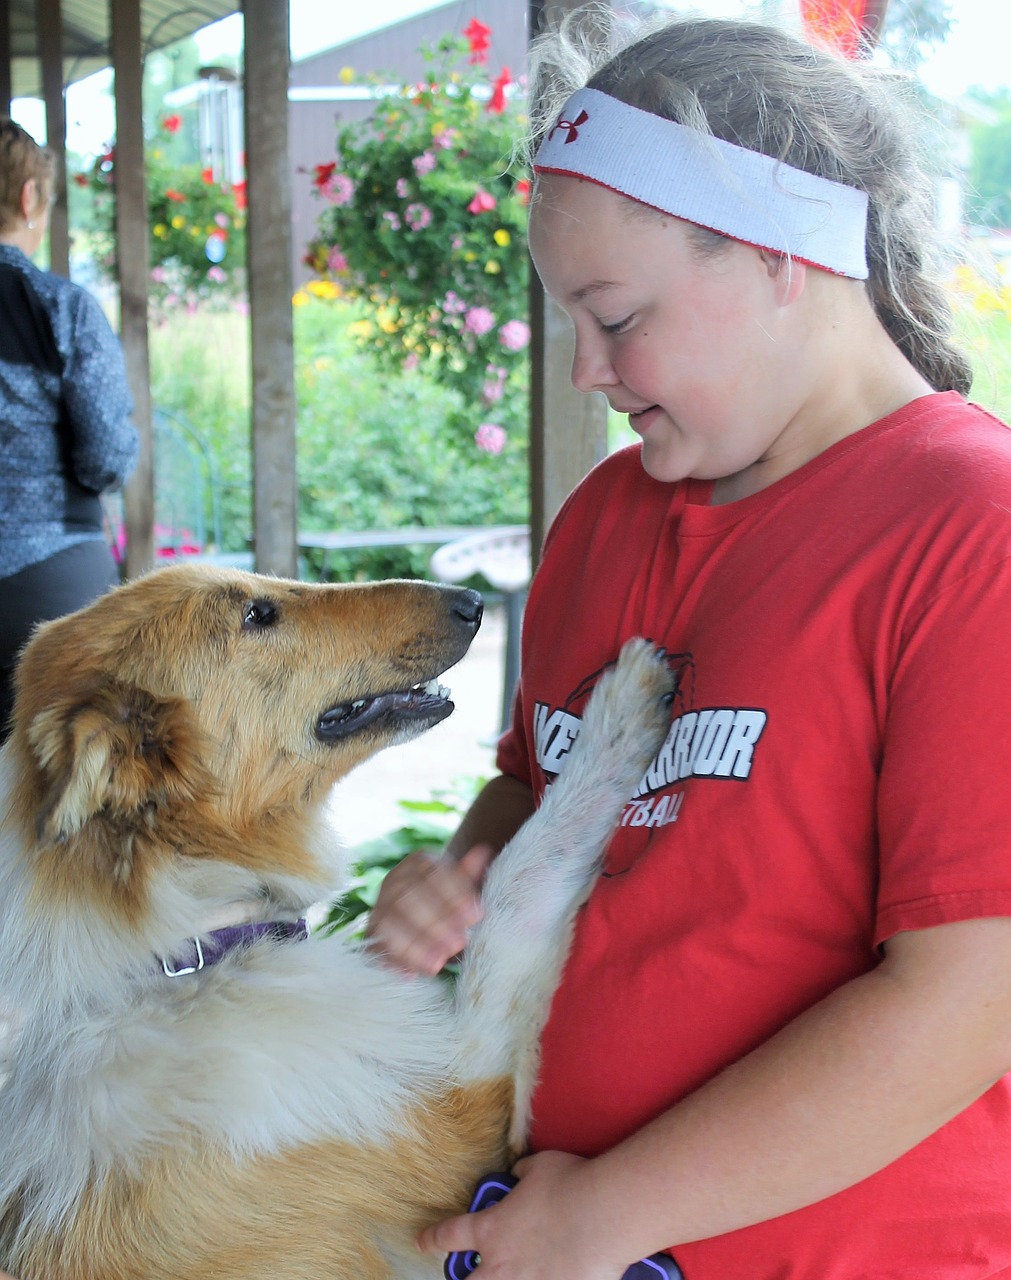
[(780, 1046)]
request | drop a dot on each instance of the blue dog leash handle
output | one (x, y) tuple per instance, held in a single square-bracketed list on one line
[(494, 1187)]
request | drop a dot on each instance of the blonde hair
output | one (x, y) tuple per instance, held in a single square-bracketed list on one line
[(758, 86), (21, 160)]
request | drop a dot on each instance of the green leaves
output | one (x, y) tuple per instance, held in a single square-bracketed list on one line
[(197, 227), (429, 826), (424, 225)]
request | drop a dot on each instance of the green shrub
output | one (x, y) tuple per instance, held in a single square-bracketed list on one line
[(375, 449), (424, 225)]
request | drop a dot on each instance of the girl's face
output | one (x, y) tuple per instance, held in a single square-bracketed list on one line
[(707, 353)]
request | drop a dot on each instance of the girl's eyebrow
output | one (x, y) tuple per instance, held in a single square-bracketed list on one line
[(589, 290)]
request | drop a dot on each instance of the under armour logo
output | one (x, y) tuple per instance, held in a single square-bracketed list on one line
[(571, 127)]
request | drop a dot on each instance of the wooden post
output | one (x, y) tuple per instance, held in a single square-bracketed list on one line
[(6, 70), (132, 260), (568, 429), (271, 283), (49, 24)]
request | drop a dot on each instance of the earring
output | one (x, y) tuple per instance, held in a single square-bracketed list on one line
[(31, 226)]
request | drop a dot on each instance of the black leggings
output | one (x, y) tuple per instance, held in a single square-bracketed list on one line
[(65, 582)]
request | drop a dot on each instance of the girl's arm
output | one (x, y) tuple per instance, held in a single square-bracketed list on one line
[(842, 1091)]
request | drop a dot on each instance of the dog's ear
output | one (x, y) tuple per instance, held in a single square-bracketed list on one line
[(114, 752)]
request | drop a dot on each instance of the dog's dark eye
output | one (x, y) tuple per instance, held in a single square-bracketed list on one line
[(259, 613)]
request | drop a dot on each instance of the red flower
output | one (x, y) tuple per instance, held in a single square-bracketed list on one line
[(476, 34), (523, 190), (207, 175), (497, 101), (177, 196), (482, 202), (81, 179), (239, 191), (324, 172), (172, 124)]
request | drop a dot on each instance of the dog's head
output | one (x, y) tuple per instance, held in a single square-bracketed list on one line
[(210, 711)]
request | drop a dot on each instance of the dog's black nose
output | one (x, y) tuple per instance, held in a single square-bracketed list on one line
[(468, 607)]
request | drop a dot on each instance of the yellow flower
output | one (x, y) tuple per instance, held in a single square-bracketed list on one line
[(438, 126), (502, 237), (179, 221), (492, 268), (470, 256), (435, 349), (346, 75), (299, 299), (324, 289), (157, 155), (160, 230), (361, 329)]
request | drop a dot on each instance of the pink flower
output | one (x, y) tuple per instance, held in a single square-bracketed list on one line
[(339, 190), (418, 216), (494, 387), (424, 163), (158, 275), (402, 188), (482, 202), (444, 139), (221, 219), (490, 437), (453, 305), (217, 275), (514, 335), (410, 361), (478, 320), (393, 219), (336, 261)]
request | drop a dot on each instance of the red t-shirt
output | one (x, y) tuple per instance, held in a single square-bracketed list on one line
[(834, 775)]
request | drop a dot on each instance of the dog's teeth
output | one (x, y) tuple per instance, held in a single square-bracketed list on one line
[(436, 690), (356, 706)]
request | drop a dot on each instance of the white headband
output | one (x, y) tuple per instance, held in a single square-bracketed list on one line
[(743, 194)]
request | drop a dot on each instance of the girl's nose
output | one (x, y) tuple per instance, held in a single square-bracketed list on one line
[(591, 367)]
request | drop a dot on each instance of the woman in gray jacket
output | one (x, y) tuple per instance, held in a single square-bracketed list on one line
[(65, 429)]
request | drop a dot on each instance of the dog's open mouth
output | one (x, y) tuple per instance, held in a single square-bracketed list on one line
[(428, 701)]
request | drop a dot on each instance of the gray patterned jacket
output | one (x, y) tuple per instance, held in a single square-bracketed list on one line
[(77, 420)]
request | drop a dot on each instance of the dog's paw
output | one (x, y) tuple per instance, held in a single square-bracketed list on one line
[(629, 714)]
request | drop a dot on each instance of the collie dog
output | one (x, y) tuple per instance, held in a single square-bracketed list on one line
[(177, 1106)]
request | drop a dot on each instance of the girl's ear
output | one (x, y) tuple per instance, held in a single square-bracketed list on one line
[(788, 275)]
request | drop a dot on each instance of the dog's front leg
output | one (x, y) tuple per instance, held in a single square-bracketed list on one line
[(534, 887)]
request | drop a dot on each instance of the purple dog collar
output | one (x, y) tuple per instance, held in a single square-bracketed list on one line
[(200, 953)]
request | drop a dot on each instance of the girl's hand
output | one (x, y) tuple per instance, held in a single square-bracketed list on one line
[(426, 908), (545, 1227)]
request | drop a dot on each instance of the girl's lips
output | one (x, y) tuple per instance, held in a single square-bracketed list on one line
[(639, 421)]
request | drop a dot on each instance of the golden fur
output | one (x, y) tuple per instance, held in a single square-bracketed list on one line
[(296, 1110)]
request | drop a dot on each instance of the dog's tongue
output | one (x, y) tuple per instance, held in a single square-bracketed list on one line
[(408, 704)]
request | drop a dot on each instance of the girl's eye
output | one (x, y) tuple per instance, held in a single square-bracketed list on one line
[(618, 327)]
